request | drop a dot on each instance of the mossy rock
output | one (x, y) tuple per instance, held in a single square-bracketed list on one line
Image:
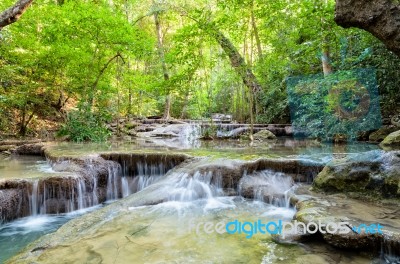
[(131, 125), (245, 137), (373, 176), (342, 179), (264, 135), (392, 139), (381, 133)]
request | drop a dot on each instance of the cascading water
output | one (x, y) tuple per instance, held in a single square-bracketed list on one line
[(268, 186), (76, 192), (114, 182), (33, 199), (190, 134), (144, 175), (188, 187)]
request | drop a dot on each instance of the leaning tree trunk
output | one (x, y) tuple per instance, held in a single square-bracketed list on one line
[(240, 66), (379, 17), (238, 63), (13, 14)]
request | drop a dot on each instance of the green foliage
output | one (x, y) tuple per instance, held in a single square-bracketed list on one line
[(56, 58), (209, 132), (85, 126)]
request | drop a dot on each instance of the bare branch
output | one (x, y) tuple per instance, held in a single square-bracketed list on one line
[(13, 14)]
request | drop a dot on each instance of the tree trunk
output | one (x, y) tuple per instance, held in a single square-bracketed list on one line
[(256, 35), (23, 126), (161, 54), (325, 57), (13, 14), (96, 82), (326, 64), (379, 17), (238, 63)]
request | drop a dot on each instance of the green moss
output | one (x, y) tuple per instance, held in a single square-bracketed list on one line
[(392, 139)]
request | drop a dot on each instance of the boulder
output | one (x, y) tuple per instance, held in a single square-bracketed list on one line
[(131, 125), (131, 132), (338, 209), (264, 135), (382, 133), (392, 139), (374, 173), (6, 147), (144, 128), (30, 149)]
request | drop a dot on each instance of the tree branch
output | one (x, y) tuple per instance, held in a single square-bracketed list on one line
[(105, 68), (379, 17), (13, 14)]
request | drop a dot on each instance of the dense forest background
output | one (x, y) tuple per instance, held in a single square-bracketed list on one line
[(82, 63)]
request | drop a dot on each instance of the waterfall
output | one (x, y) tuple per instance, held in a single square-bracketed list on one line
[(33, 198), (147, 174), (112, 183), (187, 187), (267, 186), (81, 192), (190, 134), (76, 191)]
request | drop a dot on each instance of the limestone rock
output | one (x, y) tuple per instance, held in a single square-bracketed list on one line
[(131, 125), (131, 132), (372, 173), (30, 149), (392, 139), (381, 133), (264, 135)]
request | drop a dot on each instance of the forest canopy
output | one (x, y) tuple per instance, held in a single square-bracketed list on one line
[(82, 63)]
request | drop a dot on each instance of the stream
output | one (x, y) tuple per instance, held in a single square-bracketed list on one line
[(172, 230)]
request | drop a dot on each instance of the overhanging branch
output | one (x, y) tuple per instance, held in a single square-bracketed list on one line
[(13, 14)]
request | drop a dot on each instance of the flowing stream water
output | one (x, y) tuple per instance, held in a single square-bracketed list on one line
[(172, 230)]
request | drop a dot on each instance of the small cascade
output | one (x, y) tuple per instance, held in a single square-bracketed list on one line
[(190, 135), (114, 183), (125, 187), (389, 251), (33, 201), (61, 196), (187, 187), (71, 192), (76, 184), (268, 186), (144, 175)]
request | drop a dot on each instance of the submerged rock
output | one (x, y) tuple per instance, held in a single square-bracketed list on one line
[(392, 139)]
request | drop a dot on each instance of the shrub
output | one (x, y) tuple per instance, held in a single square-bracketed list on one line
[(85, 126)]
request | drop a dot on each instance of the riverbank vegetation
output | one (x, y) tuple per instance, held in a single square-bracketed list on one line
[(76, 65)]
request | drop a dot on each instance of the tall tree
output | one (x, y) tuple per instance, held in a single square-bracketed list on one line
[(160, 48), (325, 57)]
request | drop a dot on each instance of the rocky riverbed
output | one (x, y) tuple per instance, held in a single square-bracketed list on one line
[(192, 184)]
